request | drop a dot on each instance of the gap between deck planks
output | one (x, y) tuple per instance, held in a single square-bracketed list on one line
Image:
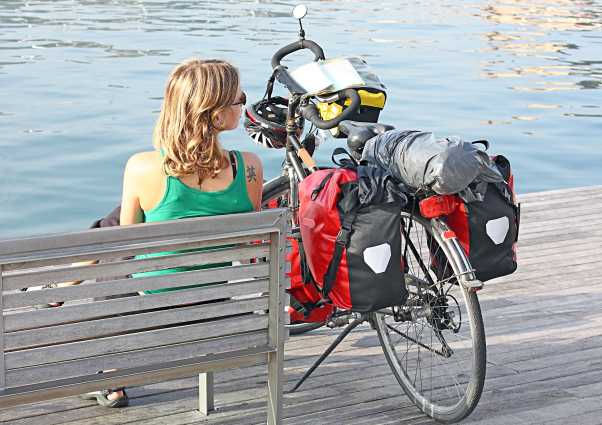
[(544, 323)]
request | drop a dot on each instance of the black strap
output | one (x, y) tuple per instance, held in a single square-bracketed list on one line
[(318, 189), (340, 244), (270, 86), (306, 275), (348, 162), (482, 142), (233, 164)]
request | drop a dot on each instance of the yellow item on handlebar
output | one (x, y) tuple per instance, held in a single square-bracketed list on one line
[(372, 102)]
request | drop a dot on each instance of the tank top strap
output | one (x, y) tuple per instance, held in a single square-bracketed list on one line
[(240, 167)]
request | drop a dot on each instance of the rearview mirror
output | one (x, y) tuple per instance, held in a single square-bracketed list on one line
[(300, 11)]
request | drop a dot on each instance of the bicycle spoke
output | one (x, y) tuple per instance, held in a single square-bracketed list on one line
[(416, 342), (430, 340)]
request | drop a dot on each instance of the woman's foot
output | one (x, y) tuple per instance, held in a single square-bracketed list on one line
[(109, 398)]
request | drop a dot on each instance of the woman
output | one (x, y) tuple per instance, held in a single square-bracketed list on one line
[(189, 174)]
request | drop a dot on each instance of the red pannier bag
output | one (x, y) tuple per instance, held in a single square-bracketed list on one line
[(487, 229), (353, 251), (306, 301)]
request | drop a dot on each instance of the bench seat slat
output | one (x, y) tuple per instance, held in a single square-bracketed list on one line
[(113, 251), (135, 341), (156, 356), (122, 268), (116, 325), (137, 376), (123, 286)]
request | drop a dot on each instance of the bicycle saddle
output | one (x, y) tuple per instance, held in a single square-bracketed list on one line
[(358, 133)]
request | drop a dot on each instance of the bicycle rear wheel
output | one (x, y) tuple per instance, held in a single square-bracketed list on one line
[(435, 343)]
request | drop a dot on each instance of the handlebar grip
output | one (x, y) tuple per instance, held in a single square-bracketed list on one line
[(310, 112), (293, 47)]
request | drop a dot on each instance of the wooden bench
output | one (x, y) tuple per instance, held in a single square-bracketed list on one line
[(236, 320)]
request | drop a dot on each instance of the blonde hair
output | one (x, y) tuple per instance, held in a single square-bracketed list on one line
[(186, 131)]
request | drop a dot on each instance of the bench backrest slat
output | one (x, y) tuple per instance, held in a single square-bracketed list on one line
[(124, 286), (131, 359), (136, 341), (111, 251), (115, 239), (125, 267), (105, 324), (114, 325)]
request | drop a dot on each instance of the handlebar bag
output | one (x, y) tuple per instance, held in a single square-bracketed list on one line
[(372, 102), (487, 226), (352, 238)]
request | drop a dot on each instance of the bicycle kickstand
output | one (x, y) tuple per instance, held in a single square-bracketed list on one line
[(329, 350)]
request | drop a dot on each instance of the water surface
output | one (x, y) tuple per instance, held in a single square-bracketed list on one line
[(82, 83)]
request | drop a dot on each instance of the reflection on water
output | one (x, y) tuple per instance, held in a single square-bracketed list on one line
[(530, 27), (82, 83)]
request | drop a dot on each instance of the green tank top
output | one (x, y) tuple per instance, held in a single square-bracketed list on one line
[(182, 201)]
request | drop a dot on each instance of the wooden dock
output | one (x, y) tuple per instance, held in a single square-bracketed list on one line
[(544, 337)]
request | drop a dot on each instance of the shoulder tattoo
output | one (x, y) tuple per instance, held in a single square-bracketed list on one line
[(251, 174)]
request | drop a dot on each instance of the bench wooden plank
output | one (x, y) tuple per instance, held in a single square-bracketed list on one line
[(126, 267), (156, 356), (123, 286), (134, 341), (116, 325), (116, 251), (277, 334), (135, 376), (202, 228), (87, 311), (2, 366)]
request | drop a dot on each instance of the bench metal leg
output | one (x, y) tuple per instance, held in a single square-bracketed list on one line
[(206, 402), (275, 377)]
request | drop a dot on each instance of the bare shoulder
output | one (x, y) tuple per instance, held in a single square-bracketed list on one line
[(251, 158), (253, 167), (143, 163)]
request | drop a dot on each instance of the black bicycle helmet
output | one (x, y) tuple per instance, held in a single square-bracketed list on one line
[(265, 121)]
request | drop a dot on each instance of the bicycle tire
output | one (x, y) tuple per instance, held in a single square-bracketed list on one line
[(446, 385), (274, 189)]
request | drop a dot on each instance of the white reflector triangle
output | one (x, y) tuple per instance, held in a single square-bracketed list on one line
[(377, 257), (498, 229)]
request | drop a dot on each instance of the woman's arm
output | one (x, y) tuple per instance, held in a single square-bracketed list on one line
[(131, 211), (254, 178)]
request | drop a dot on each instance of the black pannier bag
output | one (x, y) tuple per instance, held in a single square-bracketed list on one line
[(486, 226), (350, 227)]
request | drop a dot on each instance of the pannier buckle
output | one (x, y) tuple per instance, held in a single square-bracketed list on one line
[(343, 237)]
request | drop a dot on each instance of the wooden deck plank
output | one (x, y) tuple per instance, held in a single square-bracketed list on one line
[(544, 329)]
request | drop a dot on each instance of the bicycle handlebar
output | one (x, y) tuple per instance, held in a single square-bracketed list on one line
[(310, 112), (296, 46)]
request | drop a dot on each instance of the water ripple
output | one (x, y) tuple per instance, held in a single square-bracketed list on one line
[(82, 84)]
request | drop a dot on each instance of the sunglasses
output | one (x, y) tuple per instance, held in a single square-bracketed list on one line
[(242, 101)]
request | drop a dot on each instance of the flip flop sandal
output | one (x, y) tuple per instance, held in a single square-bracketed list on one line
[(38, 288), (103, 400)]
